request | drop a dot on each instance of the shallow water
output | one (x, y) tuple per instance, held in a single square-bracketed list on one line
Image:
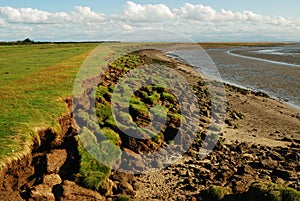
[(278, 80)]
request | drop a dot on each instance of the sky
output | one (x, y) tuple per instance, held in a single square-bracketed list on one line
[(202, 20)]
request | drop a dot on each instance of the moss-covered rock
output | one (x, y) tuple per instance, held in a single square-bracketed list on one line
[(217, 193), (266, 191)]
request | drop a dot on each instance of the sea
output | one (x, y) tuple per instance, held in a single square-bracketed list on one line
[(272, 70)]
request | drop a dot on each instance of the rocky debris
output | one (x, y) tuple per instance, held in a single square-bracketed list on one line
[(232, 166), (42, 192), (71, 191), (56, 159)]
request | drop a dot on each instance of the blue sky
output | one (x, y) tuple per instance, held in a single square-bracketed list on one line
[(289, 8), (226, 20)]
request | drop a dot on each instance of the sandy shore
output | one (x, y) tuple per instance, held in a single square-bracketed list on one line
[(262, 127), (266, 121)]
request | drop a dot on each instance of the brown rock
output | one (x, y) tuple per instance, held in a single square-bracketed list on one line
[(276, 156), (42, 193), (245, 169), (71, 191), (126, 188), (269, 163), (55, 160), (52, 180), (284, 174)]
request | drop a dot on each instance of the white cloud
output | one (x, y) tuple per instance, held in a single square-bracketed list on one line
[(23, 15), (194, 20), (85, 14), (32, 16), (149, 12), (196, 12), (127, 27)]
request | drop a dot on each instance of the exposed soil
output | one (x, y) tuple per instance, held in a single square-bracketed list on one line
[(48, 172)]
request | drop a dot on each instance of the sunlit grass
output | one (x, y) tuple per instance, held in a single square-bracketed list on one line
[(35, 79)]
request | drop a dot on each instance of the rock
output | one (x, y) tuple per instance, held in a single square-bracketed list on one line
[(245, 169), (275, 156), (42, 193), (279, 181), (126, 188), (228, 122), (284, 174), (52, 180), (55, 160), (71, 191), (157, 163), (130, 154), (295, 157), (269, 164), (205, 119)]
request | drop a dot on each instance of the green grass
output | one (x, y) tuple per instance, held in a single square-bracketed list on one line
[(266, 191), (35, 79)]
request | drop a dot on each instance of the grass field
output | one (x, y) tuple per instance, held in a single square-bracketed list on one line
[(35, 79)]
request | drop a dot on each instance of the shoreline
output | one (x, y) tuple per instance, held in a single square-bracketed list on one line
[(259, 101), (238, 53), (174, 56), (245, 106), (256, 124)]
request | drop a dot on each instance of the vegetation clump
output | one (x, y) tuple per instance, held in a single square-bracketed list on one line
[(266, 191)]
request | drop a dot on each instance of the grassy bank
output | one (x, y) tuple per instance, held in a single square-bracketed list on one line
[(35, 79)]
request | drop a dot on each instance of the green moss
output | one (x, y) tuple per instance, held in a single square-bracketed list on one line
[(138, 107), (156, 139), (111, 88), (124, 118), (148, 132), (168, 97), (144, 95), (266, 191), (103, 113), (217, 193), (159, 112), (152, 99), (110, 122), (289, 194), (111, 135), (159, 88), (135, 100), (92, 173), (101, 90), (175, 117)]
